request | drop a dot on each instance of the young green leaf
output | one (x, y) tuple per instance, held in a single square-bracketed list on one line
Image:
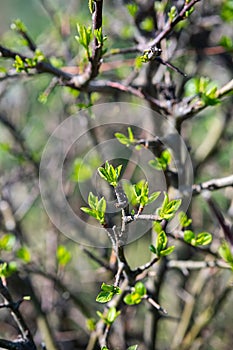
[(97, 207), (92, 200), (104, 297), (162, 162), (107, 293), (110, 288), (132, 8), (110, 317), (167, 251), (84, 37), (128, 141), (189, 237), (225, 252), (7, 241), (110, 174), (132, 299), (168, 209), (90, 212), (133, 347), (91, 324), (161, 242), (152, 249), (203, 238), (23, 253), (184, 220), (7, 269), (63, 255), (172, 13), (140, 288)]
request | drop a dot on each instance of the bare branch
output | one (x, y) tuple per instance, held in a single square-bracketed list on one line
[(170, 25), (196, 265), (213, 184)]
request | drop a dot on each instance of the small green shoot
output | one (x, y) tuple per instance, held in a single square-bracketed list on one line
[(200, 239), (97, 208), (110, 317), (168, 208), (137, 295), (107, 293), (162, 162), (109, 174)]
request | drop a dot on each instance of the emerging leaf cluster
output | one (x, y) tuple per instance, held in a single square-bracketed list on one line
[(110, 317), (84, 37), (172, 13), (168, 208), (109, 174), (126, 140), (161, 249), (29, 63), (200, 239), (97, 207), (107, 293), (226, 253), (138, 293), (63, 255), (141, 194), (162, 162), (205, 88)]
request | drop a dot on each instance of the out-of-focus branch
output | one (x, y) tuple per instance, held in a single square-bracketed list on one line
[(14, 307), (20, 140), (196, 265), (171, 24), (227, 228), (191, 110)]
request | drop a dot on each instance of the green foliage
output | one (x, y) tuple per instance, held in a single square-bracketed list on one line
[(141, 194), (99, 36), (189, 12), (91, 324), (200, 239), (226, 42), (110, 317), (138, 293), (7, 242), (132, 8), (24, 254), (168, 208), (107, 293), (63, 255), (80, 171), (7, 269), (84, 37), (19, 26), (147, 24), (161, 245), (109, 174), (227, 10), (162, 162), (184, 220), (97, 208), (127, 141), (226, 253), (172, 13), (205, 88), (133, 347), (29, 63)]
